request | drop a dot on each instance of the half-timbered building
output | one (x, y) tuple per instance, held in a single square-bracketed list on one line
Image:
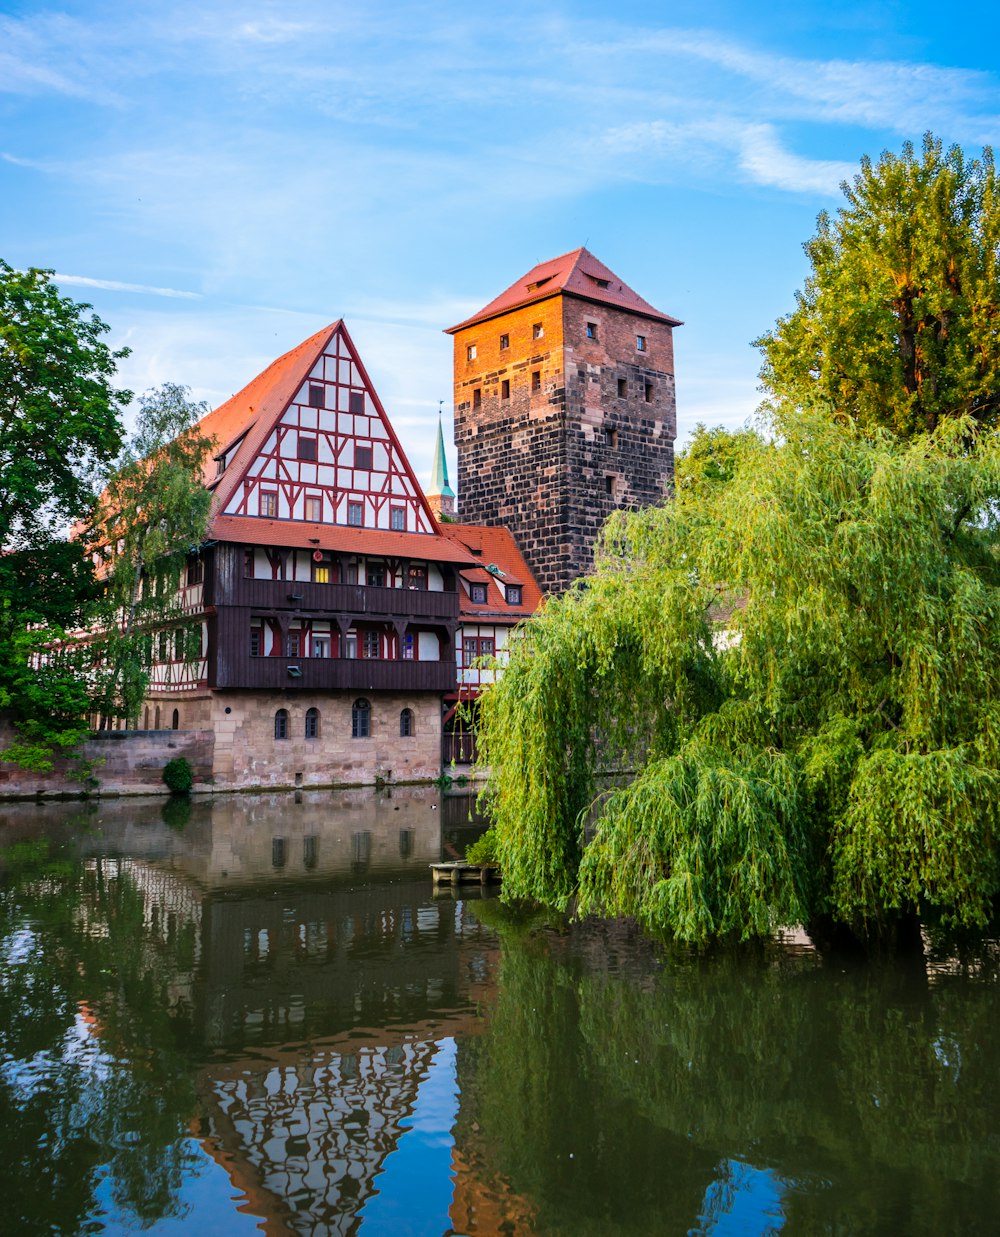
[(328, 595)]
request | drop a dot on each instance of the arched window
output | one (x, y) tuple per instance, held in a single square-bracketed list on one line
[(406, 723), (156, 718), (175, 721), (281, 724), (145, 720), (361, 720), (312, 723)]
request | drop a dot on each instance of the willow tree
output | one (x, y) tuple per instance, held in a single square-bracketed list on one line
[(151, 515), (798, 670), (897, 324)]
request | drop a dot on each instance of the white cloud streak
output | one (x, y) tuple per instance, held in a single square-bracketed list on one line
[(116, 285)]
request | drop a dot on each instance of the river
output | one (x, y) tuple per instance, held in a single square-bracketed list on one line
[(254, 1014)]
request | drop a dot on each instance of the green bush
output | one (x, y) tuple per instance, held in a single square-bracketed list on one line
[(178, 775), (484, 850)]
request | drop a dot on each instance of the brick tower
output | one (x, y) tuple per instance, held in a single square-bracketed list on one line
[(564, 410)]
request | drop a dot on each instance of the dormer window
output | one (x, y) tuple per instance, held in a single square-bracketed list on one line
[(601, 283), (220, 465), (477, 594), (532, 287), (513, 594)]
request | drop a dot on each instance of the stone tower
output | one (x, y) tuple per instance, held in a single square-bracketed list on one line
[(564, 410)]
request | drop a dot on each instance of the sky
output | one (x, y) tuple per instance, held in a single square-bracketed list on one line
[(220, 180)]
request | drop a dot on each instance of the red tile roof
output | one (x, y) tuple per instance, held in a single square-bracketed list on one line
[(262, 400), (573, 274), (495, 545), (252, 530)]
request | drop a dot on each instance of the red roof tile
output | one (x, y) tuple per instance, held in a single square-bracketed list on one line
[(252, 530), (577, 273), (495, 545)]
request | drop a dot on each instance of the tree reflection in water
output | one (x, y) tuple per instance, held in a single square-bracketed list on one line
[(94, 1096), (736, 1092)]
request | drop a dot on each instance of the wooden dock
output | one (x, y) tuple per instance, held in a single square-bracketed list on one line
[(461, 872)]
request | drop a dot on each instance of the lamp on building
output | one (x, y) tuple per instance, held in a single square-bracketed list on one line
[(294, 596), (295, 672)]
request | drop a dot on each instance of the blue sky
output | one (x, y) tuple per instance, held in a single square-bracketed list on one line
[(221, 179)]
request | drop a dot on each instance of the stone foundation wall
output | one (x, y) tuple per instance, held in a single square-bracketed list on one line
[(113, 762), (247, 754)]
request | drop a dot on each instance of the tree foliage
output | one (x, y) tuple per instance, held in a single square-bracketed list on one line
[(897, 324), (59, 412), (151, 515), (801, 665)]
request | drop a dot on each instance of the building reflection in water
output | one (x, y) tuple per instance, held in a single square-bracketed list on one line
[(319, 1002)]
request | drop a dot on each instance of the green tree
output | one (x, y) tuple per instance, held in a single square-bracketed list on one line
[(897, 324), (60, 415), (59, 422), (833, 751), (152, 514)]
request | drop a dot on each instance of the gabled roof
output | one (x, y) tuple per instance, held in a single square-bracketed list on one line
[(248, 417), (264, 398), (494, 546), (577, 273)]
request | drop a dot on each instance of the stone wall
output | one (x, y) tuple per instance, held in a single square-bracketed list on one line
[(586, 425), (247, 753), (113, 762)]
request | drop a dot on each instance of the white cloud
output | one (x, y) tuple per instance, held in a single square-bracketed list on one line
[(115, 285), (766, 161)]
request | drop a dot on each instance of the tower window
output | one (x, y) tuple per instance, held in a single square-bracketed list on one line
[(640, 343), (591, 330), (306, 447), (505, 388), (611, 486), (362, 457), (612, 439), (356, 402), (649, 392), (477, 397), (537, 331), (504, 342), (268, 504), (470, 352), (316, 396), (622, 388), (314, 510), (354, 514), (536, 380)]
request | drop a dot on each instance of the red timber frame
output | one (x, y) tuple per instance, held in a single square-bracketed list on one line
[(351, 418)]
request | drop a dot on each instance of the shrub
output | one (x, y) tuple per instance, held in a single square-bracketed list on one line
[(484, 850), (178, 775)]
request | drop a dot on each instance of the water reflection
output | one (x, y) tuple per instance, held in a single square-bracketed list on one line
[(264, 1012)]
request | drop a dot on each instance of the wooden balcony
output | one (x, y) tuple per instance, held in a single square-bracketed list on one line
[(237, 669), (357, 600)]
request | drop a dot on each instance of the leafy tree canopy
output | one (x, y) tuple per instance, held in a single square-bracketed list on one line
[(800, 666), (897, 324), (59, 412), (151, 515)]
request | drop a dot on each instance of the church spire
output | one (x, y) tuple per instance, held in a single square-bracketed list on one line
[(440, 495)]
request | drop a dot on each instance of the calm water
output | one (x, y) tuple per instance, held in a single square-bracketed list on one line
[(257, 1016)]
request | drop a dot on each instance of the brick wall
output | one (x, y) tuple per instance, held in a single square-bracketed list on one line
[(538, 457)]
